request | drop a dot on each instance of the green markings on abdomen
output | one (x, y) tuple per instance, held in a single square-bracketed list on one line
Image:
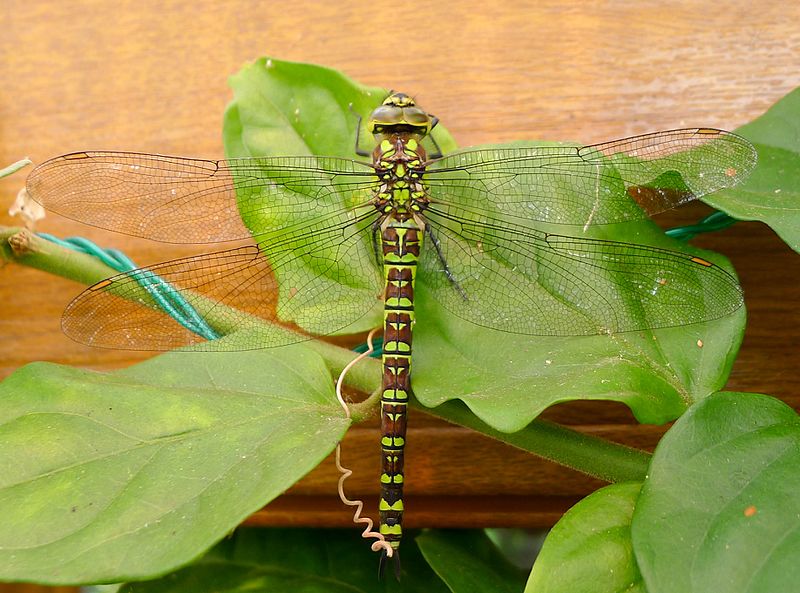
[(401, 244)]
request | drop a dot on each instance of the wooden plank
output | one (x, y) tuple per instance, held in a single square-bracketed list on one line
[(422, 511)]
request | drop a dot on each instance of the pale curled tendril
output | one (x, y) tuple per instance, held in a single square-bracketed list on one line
[(380, 543)]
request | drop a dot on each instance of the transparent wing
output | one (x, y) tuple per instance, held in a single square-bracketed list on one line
[(321, 278), (182, 200), (593, 184), (524, 281)]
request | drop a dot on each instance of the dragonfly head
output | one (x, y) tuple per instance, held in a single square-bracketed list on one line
[(400, 114)]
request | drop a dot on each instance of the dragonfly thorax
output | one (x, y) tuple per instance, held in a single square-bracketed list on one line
[(399, 126), (399, 162)]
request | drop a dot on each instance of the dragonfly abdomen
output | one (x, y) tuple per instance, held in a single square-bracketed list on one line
[(401, 241)]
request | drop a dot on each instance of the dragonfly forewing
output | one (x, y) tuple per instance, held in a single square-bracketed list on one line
[(183, 200)]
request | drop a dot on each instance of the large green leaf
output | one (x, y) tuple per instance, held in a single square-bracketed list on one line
[(505, 379), (294, 560), (467, 561), (589, 550), (109, 477), (719, 510), (772, 193)]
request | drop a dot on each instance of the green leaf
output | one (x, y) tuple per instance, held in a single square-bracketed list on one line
[(772, 192), (589, 550), (110, 477), (294, 560), (719, 510), (507, 380), (468, 561)]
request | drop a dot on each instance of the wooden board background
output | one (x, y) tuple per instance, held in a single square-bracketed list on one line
[(151, 76)]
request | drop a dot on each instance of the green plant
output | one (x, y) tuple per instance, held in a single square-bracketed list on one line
[(85, 456)]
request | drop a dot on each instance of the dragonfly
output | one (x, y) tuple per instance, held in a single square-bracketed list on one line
[(333, 242)]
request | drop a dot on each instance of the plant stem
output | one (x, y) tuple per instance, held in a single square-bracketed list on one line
[(366, 409), (587, 454), (14, 167), (24, 247)]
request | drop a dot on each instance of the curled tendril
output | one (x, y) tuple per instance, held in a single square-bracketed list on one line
[(380, 542)]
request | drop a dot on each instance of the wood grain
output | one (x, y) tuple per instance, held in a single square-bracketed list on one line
[(151, 76)]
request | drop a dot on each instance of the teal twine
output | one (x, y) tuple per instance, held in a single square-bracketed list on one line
[(715, 221), (378, 348), (166, 296)]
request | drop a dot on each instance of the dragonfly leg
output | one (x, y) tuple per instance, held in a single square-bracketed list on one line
[(358, 150), (438, 154), (376, 247), (438, 247)]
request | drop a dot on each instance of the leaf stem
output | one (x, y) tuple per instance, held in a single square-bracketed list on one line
[(587, 454)]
